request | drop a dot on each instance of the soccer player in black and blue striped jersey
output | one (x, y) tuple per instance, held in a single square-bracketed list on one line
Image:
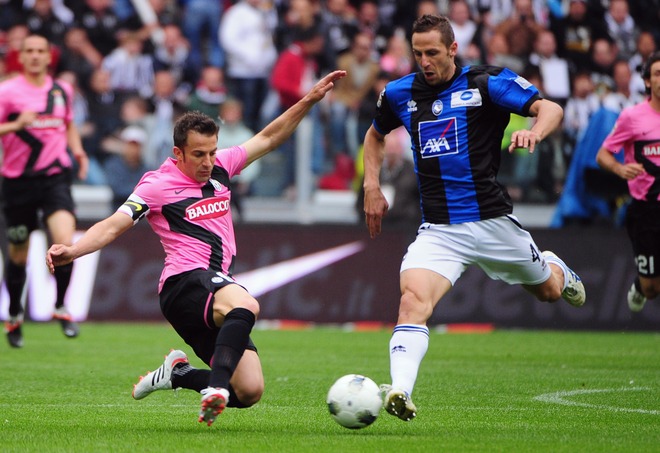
[(456, 118)]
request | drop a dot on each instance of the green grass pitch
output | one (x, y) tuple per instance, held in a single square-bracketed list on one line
[(506, 391)]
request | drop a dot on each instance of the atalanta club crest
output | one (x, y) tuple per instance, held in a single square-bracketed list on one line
[(436, 108)]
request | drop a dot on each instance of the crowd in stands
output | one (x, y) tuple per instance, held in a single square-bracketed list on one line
[(138, 64)]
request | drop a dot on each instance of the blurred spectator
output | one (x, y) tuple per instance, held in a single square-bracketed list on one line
[(83, 121), (209, 93), (166, 109), (104, 113), (367, 108), (233, 131), (398, 183), (133, 111), (301, 16), (131, 71), (603, 56), (464, 31), (576, 32), (520, 29), (369, 20), (148, 22), (293, 75), (42, 19), (348, 94), (551, 67), (427, 7), (582, 104), (11, 14), (622, 96), (201, 25), (397, 60), (622, 28), (100, 23), (647, 16), (80, 56), (645, 47), (498, 54), (124, 170), (340, 25), (246, 33), (173, 55)]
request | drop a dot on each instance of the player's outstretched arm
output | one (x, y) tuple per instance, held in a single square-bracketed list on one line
[(282, 127), (97, 237)]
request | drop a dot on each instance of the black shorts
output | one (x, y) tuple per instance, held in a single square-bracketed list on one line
[(26, 199), (643, 225), (186, 301)]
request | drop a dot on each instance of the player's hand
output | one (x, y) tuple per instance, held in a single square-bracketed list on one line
[(630, 171), (375, 207), (324, 85), (25, 119), (58, 255), (83, 165), (524, 139)]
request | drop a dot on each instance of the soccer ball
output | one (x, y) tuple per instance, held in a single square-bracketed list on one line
[(354, 401)]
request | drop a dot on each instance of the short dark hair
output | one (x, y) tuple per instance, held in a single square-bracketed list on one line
[(646, 71), (193, 121), (429, 22)]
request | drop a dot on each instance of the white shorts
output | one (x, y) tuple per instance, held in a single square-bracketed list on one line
[(500, 246)]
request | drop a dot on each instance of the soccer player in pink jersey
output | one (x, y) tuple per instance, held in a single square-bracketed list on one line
[(36, 126), (637, 133), (187, 203)]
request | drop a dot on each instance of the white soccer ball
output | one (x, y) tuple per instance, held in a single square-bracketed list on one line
[(354, 401)]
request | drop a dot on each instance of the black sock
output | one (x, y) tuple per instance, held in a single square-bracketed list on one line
[(187, 377), (230, 345), (62, 279), (15, 279), (638, 285)]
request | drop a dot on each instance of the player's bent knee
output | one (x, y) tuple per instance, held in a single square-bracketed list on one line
[(413, 310), (249, 396)]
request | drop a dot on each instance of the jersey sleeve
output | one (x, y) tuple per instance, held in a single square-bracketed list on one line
[(146, 195), (620, 134), (512, 92), (385, 120), (232, 159)]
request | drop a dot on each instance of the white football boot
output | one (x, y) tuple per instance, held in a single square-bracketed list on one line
[(161, 379)]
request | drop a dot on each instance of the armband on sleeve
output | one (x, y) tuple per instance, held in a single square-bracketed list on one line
[(135, 207)]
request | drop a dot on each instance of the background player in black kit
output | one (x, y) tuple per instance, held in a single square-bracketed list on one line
[(456, 118)]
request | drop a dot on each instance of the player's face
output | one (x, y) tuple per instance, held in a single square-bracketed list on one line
[(434, 58), (197, 158), (35, 55)]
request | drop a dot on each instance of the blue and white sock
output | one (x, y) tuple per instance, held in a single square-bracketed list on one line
[(408, 346)]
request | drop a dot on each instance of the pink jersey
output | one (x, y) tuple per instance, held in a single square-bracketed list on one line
[(637, 131), (41, 147), (192, 219)]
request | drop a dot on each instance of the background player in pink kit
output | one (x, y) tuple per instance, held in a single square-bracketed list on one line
[(637, 132), (187, 203), (36, 126)]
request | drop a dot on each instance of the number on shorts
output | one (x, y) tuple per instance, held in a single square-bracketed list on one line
[(535, 253), (645, 265)]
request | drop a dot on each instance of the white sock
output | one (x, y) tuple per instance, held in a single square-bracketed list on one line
[(408, 346)]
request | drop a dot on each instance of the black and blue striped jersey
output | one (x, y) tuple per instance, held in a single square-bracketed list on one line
[(456, 131)]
